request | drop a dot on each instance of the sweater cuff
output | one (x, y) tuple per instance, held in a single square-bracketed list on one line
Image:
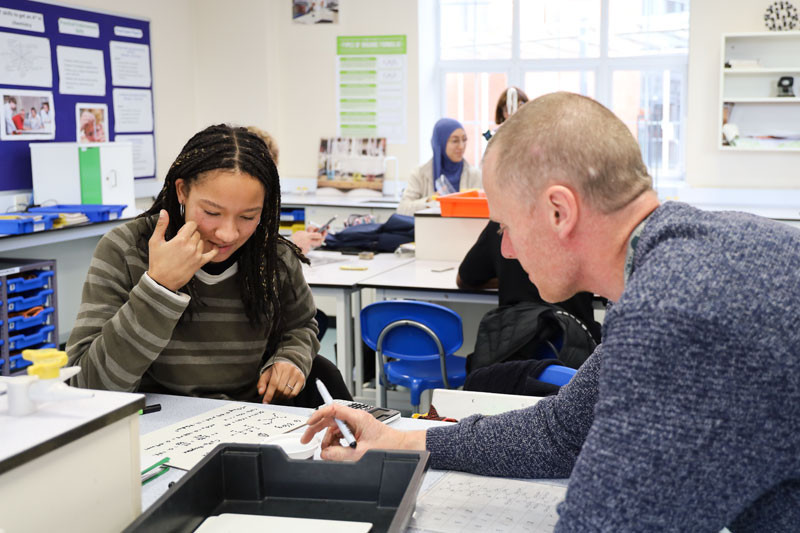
[(177, 297), (442, 441)]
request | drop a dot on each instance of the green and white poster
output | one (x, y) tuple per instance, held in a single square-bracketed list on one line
[(371, 86)]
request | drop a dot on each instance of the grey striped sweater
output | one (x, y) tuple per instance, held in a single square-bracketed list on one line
[(129, 335)]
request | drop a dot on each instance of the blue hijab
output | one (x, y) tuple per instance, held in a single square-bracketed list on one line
[(442, 164)]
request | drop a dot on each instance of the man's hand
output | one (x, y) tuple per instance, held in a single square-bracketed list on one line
[(369, 433), (280, 382), (174, 262)]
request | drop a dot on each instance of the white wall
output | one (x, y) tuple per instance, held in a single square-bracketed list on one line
[(706, 165)]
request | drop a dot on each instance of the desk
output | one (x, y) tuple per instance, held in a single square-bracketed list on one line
[(326, 277), (177, 408)]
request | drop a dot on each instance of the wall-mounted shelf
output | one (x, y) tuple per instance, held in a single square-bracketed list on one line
[(749, 97)]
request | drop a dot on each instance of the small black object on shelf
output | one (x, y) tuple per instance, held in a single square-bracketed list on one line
[(785, 84)]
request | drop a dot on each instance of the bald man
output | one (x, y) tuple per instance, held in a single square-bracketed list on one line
[(687, 417)]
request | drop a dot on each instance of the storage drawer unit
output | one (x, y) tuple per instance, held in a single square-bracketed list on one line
[(28, 310)]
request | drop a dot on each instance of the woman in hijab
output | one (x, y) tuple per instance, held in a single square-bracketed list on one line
[(446, 172)]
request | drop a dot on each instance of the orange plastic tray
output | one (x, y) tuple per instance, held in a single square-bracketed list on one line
[(470, 204)]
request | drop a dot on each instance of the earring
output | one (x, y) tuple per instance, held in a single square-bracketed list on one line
[(183, 211)]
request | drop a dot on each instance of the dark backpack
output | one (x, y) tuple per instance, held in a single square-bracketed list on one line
[(386, 237), (530, 330)]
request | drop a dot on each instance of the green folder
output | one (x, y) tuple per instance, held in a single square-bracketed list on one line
[(91, 179)]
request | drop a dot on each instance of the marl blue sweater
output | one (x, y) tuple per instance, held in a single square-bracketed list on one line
[(687, 417)]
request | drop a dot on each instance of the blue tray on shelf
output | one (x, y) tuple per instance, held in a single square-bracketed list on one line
[(96, 213), (18, 363), (20, 303), (18, 342), (26, 223), (21, 322), (21, 284)]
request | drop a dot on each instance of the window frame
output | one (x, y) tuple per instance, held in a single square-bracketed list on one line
[(603, 67)]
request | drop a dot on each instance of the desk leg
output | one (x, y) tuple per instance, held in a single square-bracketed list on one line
[(379, 295), (358, 369), (344, 338)]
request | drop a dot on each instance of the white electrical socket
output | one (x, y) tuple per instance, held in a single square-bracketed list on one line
[(21, 201)]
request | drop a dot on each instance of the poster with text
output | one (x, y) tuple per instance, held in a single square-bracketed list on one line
[(347, 163), (27, 115), (25, 60), (372, 87)]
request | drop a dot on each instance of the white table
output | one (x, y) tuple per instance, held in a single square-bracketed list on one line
[(338, 275)]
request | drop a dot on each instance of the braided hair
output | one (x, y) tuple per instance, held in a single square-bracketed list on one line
[(224, 147)]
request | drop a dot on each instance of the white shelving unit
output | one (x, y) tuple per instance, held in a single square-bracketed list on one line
[(752, 64)]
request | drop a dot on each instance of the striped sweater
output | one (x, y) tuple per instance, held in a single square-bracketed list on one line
[(131, 334)]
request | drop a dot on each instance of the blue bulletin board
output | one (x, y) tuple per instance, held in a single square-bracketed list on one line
[(72, 75)]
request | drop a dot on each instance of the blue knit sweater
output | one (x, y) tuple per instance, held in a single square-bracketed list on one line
[(687, 417)]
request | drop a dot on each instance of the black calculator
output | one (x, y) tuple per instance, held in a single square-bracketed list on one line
[(383, 414)]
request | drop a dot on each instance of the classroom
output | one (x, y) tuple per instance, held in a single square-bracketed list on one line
[(223, 212)]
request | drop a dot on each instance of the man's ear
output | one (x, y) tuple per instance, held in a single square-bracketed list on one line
[(562, 209)]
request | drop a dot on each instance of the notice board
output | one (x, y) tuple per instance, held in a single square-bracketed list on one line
[(72, 75)]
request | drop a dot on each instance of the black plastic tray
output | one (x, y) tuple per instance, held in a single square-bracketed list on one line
[(380, 488)]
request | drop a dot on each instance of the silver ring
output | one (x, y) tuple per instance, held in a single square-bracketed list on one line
[(290, 387)]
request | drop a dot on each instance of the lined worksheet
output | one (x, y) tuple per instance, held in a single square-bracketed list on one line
[(462, 503), (188, 441)]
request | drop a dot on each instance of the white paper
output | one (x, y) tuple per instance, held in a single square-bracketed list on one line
[(460, 502), (130, 64), (21, 20), (123, 31), (25, 60), (80, 71), (144, 157), (78, 27), (248, 523), (133, 110), (188, 441)]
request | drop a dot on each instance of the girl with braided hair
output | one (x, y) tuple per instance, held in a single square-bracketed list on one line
[(200, 295)]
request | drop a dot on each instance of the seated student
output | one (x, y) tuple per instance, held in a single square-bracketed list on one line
[(449, 141), (200, 295), (485, 266), (687, 417)]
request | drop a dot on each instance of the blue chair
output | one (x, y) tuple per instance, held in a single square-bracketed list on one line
[(421, 337), (557, 375)]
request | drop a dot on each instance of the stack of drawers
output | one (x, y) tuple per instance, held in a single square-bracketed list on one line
[(28, 317)]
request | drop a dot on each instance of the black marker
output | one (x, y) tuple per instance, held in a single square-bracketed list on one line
[(156, 407)]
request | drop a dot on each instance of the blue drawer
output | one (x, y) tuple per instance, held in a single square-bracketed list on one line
[(18, 342), (96, 213), (18, 363), (20, 322), (21, 284), (20, 303), (26, 222)]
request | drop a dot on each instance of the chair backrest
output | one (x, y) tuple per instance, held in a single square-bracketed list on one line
[(409, 342), (557, 375)]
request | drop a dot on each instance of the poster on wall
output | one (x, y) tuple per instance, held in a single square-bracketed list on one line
[(315, 11), (27, 115), (347, 163), (25, 60), (92, 121), (371, 87)]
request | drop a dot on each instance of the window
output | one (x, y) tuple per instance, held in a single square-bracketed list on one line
[(631, 55)]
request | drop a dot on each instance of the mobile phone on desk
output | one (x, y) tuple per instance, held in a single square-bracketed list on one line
[(327, 225), (382, 414)]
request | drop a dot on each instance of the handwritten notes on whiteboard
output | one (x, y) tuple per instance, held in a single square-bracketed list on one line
[(464, 502), (188, 441)]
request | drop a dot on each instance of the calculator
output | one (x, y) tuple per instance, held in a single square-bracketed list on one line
[(383, 414)]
